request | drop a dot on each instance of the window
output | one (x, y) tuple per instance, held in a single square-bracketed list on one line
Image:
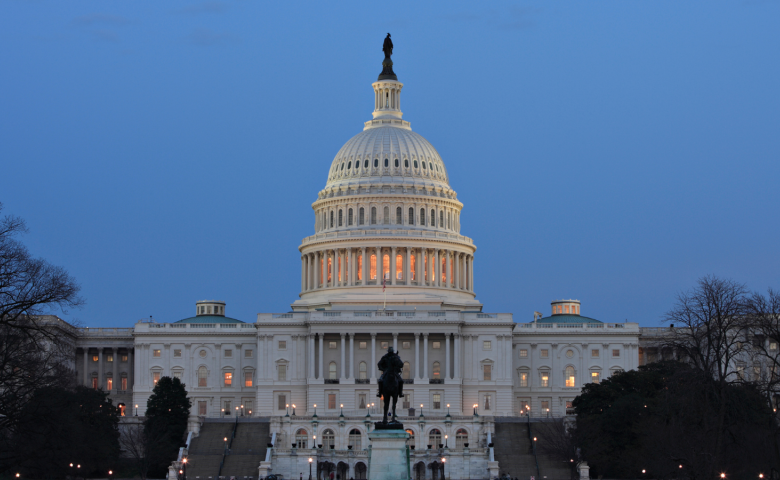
[(523, 353), (544, 353), (387, 163), (441, 219), (155, 353), (415, 164), (406, 345), (411, 216), (203, 376), (228, 379), (109, 384), (362, 216), (423, 164), (301, 438), (281, 402), (355, 439), (413, 267), (95, 383), (349, 165), (176, 352), (524, 406), (406, 401), (123, 383), (332, 371), (406, 163), (386, 215), (594, 353), (488, 402), (362, 371), (461, 439), (202, 406), (422, 216), (616, 353), (332, 401), (248, 353), (123, 358), (437, 401), (545, 405), (372, 268), (436, 370), (228, 353), (281, 371), (407, 371), (741, 372), (396, 163), (362, 400), (177, 374), (433, 218), (110, 358), (436, 345), (332, 345), (362, 345), (523, 379), (570, 376), (156, 377), (399, 216), (545, 379), (331, 219), (373, 215), (349, 217), (227, 406), (360, 267), (434, 438), (341, 218), (202, 354), (384, 345), (569, 353), (487, 345), (756, 373), (594, 377), (487, 372), (247, 379), (329, 438), (365, 164), (773, 345)]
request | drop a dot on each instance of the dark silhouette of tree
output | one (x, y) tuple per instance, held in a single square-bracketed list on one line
[(140, 447), (167, 411)]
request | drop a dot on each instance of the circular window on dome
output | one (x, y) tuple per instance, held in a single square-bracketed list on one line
[(202, 354), (569, 353), (349, 165), (387, 163), (406, 163), (396, 163), (376, 162), (415, 164)]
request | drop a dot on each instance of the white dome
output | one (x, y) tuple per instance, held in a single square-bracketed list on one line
[(406, 154)]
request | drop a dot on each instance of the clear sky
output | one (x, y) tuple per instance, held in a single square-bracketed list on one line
[(609, 151)]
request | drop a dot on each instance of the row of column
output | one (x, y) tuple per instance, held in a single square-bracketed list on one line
[(417, 372), (454, 267), (114, 374)]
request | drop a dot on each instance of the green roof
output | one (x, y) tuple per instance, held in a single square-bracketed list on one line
[(564, 318), (209, 319)]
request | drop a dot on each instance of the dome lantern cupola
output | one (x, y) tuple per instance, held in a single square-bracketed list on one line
[(210, 307), (565, 307)]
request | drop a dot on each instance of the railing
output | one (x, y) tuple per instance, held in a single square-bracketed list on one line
[(436, 381), (203, 325), (282, 315), (227, 325), (486, 315), (437, 314), (104, 332), (361, 314), (331, 314), (365, 381), (331, 381)]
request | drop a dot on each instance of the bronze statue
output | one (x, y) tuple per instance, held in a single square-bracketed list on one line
[(390, 383), (387, 47), (387, 63)]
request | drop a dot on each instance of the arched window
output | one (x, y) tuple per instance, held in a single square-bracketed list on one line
[(436, 370), (433, 218), (349, 165), (301, 438), (444, 270), (349, 217), (411, 436), (386, 265), (441, 219), (362, 216), (411, 216), (396, 163), (372, 273), (434, 438), (422, 216), (376, 162), (329, 439), (360, 267), (406, 163), (461, 439), (363, 371), (423, 165), (387, 163), (331, 219), (355, 439), (332, 371), (570, 380), (413, 267), (342, 166), (407, 371), (373, 215), (386, 215), (203, 377), (399, 267), (399, 214), (365, 164), (415, 164), (341, 218)]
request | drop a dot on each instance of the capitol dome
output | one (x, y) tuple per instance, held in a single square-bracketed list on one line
[(387, 223)]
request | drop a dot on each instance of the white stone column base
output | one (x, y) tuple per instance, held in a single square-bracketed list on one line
[(387, 457)]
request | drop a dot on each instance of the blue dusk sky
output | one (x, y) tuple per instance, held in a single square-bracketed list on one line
[(608, 151)]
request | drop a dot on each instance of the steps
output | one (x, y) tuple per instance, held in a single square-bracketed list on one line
[(248, 449), (205, 453), (512, 450)]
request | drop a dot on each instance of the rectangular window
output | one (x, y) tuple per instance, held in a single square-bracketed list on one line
[(332, 401), (545, 406), (362, 345), (228, 353), (156, 377), (95, 357), (109, 358), (247, 379), (95, 383), (248, 407), (773, 345), (406, 345), (436, 401), (332, 345), (202, 408), (372, 273), (545, 379), (436, 345), (594, 353), (124, 358), (248, 353), (488, 405), (177, 352), (124, 383), (570, 381), (177, 374), (406, 402), (156, 353), (756, 373), (282, 344), (523, 353), (227, 407), (616, 353), (487, 345), (544, 353), (487, 372), (282, 372), (524, 406), (109, 384), (228, 379), (594, 377), (383, 345), (281, 402), (523, 379), (361, 400)]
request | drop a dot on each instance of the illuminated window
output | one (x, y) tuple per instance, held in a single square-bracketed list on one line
[(363, 371), (594, 353), (444, 270), (383, 345), (332, 345), (203, 376), (373, 215), (544, 353), (436, 370), (110, 358), (177, 374), (570, 376), (123, 383), (422, 216), (156, 377), (109, 384), (487, 345), (123, 358), (773, 345), (594, 377), (399, 267), (332, 371), (247, 379), (155, 353), (340, 269), (399, 215), (545, 379), (349, 217), (386, 265), (281, 371), (95, 383), (301, 438), (523, 379), (523, 353), (411, 216), (362, 216), (322, 270), (437, 401), (407, 371), (202, 406), (330, 268), (545, 405), (413, 267), (362, 345), (360, 267), (436, 345), (332, 401), (487, 372), (372, 267), (406, 344), (341, 218), (228, 379)]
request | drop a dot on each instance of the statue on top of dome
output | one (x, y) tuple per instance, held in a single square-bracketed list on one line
[(387, 63), (387, 46)]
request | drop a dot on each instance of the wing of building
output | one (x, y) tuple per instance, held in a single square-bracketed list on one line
[(386, 266)]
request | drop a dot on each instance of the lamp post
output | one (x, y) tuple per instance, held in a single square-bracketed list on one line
[(136, 410), (548, 413), (293, 409), (443, 474), (475, 408), (184, 461), (446, 445), (310, 460)]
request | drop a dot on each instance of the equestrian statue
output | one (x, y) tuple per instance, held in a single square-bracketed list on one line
[(390, 383)]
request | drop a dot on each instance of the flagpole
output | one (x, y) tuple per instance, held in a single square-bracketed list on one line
[(384, 282)]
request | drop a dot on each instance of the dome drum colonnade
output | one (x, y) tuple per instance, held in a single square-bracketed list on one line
[(387, 213)]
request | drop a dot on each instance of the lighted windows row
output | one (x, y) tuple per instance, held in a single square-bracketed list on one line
[(333, 218), (545, 353), (406, 373), (177, 353), (327, 269), (355, 439), (564, 309), (110, 383), (569, 377), (110, 358)]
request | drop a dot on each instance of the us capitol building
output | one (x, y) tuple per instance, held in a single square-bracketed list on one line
[(387, 265)]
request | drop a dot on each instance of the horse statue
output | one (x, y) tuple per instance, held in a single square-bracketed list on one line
[(390, 383)]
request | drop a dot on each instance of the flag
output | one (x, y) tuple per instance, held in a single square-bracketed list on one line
[(384, 282)]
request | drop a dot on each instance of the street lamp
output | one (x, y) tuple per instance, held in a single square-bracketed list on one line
[(136, 410), (443, 461), (722, 475), (293, 409), (446, 445), (184, 461), (310, 460), (475, 408), (548, 413)]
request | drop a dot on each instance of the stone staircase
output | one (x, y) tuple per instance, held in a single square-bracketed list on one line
[(206, 450), (512, 449), (248, 449)]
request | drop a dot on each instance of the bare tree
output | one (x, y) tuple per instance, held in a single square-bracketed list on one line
[(140, 446), (557, 440)]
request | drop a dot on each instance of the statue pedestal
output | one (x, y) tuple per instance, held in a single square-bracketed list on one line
[(388, 458)]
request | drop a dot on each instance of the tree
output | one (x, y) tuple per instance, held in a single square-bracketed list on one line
[(557, 441), (167, 411), (140, 447)]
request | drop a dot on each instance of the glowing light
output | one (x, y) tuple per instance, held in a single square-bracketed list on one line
[(310, 460)]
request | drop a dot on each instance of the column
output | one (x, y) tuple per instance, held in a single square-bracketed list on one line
[(351, 268), (475, 372), (395, 342), (416, 355), (131, 358), (450, 283), (437, 267), (429, 262), (320, 357), (393, 267), (303, 273), (317, 271), (364, 273), (380, 266), (644, 356), (312, 286), (343, 267), (447, 356), (471, 272), (311, 356), (86, 366), (407, 267), (584, 376), (352, 355), (343, 356), (295, 362), (100, 368), (456, 340), (372, 363), (455, 269), (114, 376), (425, 355)]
